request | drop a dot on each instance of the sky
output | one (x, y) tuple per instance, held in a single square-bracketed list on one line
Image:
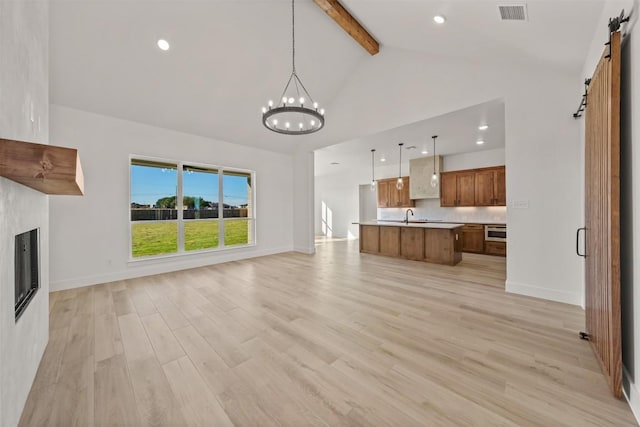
[(148, 184)]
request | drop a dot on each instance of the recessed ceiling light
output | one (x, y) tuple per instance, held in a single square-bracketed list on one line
[(383, 159), (483, 127), (425, 152), (480, 142), (163, 44), (439, 19)]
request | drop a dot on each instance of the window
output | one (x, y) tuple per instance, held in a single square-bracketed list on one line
[(238, 208), (200, 210), (154, 215), (175, 207)]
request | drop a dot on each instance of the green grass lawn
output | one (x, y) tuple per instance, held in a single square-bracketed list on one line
[(162, 238)]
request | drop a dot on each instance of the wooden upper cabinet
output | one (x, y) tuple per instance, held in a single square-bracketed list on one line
[(457, 189), (383, 193), (466, 189), (490, 187), (484, 188), (390, 197), (500, 186), (448, 189), (473, 187)]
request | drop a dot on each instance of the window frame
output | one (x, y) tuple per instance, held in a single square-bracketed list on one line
[(180, 165)]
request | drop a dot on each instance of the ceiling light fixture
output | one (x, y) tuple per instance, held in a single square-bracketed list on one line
[(479, 142), (425, 152), (163, 44), (434, 177), (483, 127), (383, 159), (439, 19), (287, 111), (399, 183), (373, 175)]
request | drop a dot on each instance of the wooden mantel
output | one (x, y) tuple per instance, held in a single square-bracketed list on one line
[(45, 168)]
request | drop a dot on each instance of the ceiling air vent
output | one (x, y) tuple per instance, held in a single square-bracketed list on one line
[(513, 12)]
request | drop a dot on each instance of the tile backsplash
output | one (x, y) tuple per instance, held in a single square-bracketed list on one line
[(429, 209)]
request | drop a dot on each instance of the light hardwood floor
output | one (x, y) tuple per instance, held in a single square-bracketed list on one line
[(333, 339)]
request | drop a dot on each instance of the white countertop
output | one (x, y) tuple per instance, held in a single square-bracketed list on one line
[(445, 225), (451, 222)]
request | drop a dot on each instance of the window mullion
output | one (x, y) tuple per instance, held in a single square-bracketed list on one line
[(220, 208), (180, 208)]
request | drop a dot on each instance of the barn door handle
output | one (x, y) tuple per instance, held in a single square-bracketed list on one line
[(578, 241)]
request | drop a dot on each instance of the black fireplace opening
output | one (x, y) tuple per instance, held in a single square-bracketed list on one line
[(27, 264)]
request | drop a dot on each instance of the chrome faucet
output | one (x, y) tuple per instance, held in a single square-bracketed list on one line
[(406, 215)]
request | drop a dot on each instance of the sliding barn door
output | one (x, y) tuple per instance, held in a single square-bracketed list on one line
[(602, 207)]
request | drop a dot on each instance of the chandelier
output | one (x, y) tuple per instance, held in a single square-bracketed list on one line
[(296, 113)]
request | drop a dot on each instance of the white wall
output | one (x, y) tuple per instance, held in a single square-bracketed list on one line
[(90, 234), (302, 176), (630, 186), (24, 44)]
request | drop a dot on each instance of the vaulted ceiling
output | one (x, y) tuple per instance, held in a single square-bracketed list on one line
[(228, 57)]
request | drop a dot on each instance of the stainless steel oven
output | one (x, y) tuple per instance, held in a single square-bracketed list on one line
[(495, 233)]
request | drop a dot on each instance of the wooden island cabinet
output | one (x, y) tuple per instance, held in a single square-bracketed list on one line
[(439, 243)]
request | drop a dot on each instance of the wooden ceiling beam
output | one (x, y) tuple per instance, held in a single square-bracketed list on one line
[(338, 13)]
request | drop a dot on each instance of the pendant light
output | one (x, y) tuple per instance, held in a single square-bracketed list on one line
[(434, 177), (295, 112), (373, 175), (399, 183)]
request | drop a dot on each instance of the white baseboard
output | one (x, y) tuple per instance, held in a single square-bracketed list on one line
[(544, 293), (160, 266), (632, 395), (305, 250)]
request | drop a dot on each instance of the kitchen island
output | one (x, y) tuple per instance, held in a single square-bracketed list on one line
[(436, 242)]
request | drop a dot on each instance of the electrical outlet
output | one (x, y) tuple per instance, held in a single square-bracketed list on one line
[(520, 204)]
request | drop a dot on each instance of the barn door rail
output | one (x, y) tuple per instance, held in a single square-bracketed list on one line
[(614, 25), (583, 101)]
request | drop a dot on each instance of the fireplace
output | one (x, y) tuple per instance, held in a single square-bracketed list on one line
[(27, 269)]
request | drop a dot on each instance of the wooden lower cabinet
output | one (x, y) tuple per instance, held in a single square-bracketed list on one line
[(473, 238), (443, 246), (390, 241), (495, 248), (412, 243), (370, 239)]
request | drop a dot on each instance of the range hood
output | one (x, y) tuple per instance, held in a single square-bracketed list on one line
[(45, 168), (420, 172)]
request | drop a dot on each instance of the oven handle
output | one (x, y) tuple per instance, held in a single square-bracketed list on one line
[(578, 241)]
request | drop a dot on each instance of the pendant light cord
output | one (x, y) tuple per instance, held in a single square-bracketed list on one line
[(434, 155), (373, 175), (293, 36), (400, 165)]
